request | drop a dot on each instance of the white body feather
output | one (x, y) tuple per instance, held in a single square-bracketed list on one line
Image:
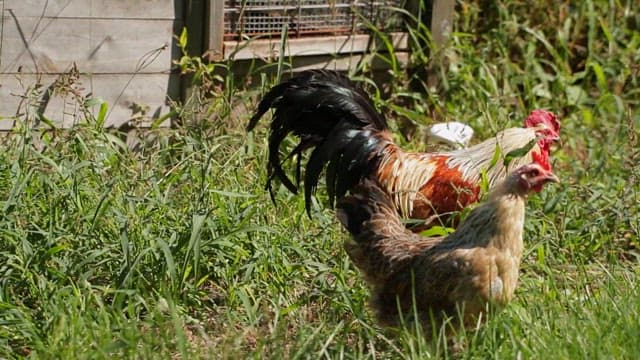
[(409, 172)]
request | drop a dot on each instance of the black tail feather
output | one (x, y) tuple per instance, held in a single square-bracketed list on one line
[(332, 116), (312, 173)]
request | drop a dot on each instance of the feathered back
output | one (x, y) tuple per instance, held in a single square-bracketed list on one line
[(367, 208), (381, 242), (331, 115)]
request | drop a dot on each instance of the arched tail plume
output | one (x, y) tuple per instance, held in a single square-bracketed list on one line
[(332, 117)]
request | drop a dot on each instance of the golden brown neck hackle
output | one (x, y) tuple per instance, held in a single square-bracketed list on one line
[(504, 211)]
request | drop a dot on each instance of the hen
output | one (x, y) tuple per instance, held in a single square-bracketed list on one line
[(336, 118), (443, 277)]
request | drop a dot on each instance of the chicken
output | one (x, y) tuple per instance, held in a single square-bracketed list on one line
[(336, 118), (455, 276)]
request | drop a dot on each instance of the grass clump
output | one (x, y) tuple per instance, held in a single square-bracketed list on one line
[(175, 250)]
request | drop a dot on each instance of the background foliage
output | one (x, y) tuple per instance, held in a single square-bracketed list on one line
[(173, 248)]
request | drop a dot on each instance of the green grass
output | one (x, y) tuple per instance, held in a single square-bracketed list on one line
[(175, 250)]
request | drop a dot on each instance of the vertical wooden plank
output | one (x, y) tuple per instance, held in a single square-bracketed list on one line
[(194, 20), (196, 14), (1, 29), (441, 20), (216, 30), (439, 15)]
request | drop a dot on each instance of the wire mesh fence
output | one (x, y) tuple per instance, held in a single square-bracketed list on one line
[(308, 17)]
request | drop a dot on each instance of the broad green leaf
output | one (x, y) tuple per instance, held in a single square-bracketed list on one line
[(182, 41), (437, 231), (520, 152)]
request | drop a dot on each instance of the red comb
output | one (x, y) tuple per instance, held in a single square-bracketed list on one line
[(540, 116)]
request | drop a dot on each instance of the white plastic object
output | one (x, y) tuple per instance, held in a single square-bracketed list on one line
[(453, 133)]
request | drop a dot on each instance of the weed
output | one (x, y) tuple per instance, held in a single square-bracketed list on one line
[(175, 249)]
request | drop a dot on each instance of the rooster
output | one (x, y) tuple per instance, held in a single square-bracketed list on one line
[(336, 118), (443, 277)]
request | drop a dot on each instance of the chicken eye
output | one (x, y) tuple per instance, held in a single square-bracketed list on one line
[(534, 172)]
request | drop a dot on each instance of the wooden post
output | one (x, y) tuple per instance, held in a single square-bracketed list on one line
[(216, 30), (441, 20), (441, 25), (195, 20), (195, 17)]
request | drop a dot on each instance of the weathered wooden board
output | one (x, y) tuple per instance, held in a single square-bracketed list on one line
[(442, 20), (95, 45), (123, 9), (332, 62), (216, 31), (345, 63), (267, 49), (122, 92)]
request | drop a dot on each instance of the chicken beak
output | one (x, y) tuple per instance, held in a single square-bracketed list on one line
[(557, 140), (551, 177)]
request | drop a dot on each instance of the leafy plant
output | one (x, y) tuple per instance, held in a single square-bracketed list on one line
[(174, 249)]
